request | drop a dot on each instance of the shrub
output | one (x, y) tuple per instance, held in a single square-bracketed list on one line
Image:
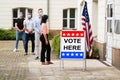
[(95, 53), (56, 44), (7, 34)]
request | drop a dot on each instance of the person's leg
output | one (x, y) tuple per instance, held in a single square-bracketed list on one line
[(23, 38), (43, 50), (33, 42), (17, 40), (37, 44), (43, 46), (48, 52), (26, 43)]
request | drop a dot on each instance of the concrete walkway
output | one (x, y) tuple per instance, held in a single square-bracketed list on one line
[(16, 66)]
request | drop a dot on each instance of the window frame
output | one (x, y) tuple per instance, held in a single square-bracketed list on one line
[(18, 11), (69, 18), (109, 18)]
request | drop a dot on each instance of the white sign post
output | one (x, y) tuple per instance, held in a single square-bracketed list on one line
[(72, 46)]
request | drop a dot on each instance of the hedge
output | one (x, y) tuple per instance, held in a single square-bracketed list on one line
[(7, 34), (56, 44)]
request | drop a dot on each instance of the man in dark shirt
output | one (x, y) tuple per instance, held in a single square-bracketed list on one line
[(20, 32)]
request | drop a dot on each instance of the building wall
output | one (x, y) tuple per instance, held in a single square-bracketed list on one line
[(56, 10), (92, 6), (101, 30), (116, 37), (94, 17)]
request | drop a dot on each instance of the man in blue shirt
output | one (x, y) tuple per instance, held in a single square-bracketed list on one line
[(37, 26)]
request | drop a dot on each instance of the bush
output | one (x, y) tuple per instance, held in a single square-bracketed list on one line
[(95, 53), (7, 34), (56, 44)]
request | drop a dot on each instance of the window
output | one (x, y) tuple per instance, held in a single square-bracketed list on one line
[(69, 18), (64, 18), (109, 10), (117, 27), (16, 12), (109, 25), (109, 17)]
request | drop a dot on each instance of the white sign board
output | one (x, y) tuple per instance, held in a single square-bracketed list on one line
[(72, 45)]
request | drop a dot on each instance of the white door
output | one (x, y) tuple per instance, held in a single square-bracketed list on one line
[(110, 22), (109, 48)]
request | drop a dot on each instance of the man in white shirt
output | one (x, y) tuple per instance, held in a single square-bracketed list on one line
[(29, 33)]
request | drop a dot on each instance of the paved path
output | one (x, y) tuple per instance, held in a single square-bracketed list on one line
[(16, 66)]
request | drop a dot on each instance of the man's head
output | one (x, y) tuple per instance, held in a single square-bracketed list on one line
[(20, 15), (29, 15), (40, 12)]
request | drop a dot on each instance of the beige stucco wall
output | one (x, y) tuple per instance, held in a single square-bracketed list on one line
[(56, 11), (101, 30)]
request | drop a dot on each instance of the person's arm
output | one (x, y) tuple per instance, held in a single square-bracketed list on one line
[(32, 28), (36, 26), (25, 27), (46, 41), (16, 25)]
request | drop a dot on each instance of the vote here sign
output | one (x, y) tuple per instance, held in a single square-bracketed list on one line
[(72, 45)]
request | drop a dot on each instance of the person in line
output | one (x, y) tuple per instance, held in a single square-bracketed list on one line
[(19, 31), (37, 26), (45, 42), (29, 33)]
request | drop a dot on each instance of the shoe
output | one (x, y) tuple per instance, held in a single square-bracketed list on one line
[(50, 62), (33, 53), (25, 54), (36, 58), (15, 50)]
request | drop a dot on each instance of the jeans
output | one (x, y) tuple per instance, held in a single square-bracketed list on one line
[(32, 38), (18, 36)]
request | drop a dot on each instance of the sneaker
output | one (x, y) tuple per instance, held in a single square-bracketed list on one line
[(15, 50), (25, 54), (36, 58)]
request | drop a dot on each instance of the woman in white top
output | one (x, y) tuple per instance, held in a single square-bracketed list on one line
[(45, 42)]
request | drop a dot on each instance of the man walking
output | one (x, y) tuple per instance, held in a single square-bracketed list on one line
[(29, 33), (37, 33), (19, 31)]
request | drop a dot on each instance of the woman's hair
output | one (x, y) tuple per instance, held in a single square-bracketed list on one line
[(44, 19)]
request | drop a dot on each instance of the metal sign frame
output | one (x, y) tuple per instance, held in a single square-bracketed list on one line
[(62, 60)]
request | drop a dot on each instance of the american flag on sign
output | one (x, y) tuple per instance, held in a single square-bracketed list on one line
[(87, 28)]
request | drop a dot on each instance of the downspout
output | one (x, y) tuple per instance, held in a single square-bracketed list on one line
[(48, 2)]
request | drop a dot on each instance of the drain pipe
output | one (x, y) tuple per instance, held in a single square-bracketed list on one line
[(48, 3)]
